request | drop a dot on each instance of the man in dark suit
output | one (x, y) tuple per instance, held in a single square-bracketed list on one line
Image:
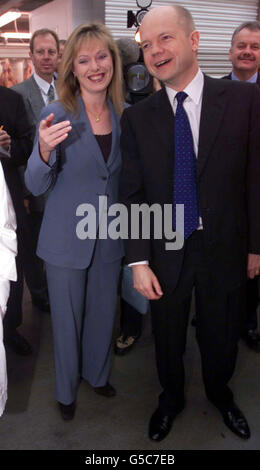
[(38, 91), (15, 148), (244, 55), (193, 145)]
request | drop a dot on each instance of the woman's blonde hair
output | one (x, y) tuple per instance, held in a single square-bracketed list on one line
[(68, 85)]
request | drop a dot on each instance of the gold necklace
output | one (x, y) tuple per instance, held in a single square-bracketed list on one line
[(96, 116)]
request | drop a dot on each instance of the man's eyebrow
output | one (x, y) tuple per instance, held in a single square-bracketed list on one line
[(159, 35)]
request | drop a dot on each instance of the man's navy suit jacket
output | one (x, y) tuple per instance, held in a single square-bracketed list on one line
[(228, 177)]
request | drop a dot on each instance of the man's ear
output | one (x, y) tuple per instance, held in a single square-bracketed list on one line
[(195, 39), (230, 54)]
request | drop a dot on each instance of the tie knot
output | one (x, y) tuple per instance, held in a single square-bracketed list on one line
[(181, 96)]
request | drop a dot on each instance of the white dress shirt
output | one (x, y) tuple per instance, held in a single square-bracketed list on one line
[(192, 106), (8, 250), (44, 87), (252, 79)]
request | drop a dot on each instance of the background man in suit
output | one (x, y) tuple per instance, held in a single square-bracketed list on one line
[(203, 154), (244, 55), (38, 91), (15, 148)]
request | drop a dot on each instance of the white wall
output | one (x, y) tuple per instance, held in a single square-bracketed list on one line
[(56, 15), (87, 10), (64, 15)]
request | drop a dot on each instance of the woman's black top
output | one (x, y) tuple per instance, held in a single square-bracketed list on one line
[(105, 144)]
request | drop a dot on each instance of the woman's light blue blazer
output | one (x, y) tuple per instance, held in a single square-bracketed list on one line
[(76, 174)]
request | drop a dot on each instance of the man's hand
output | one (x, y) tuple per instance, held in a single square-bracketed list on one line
[(146, 282), (253, 265), (51, 136), (5, 140)]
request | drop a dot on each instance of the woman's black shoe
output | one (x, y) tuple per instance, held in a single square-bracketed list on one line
[(67, 411), (107, 390)]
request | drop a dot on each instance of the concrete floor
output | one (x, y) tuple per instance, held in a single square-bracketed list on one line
[(32, 421)]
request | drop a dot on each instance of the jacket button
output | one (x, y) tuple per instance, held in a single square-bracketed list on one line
[(104, 178)]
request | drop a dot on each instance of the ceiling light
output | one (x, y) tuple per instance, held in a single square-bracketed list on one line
[(137, 37), (16, 35), (8, 17)]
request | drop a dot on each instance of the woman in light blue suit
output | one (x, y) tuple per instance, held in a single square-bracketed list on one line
[(76, 156)]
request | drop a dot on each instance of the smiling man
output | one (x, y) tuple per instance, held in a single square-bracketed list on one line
[(244, 55), (194, 143)]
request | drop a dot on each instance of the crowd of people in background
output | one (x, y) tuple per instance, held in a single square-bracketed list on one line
[(62, 144)]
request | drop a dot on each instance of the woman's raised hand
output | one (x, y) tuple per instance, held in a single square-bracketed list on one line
[(50, 136)]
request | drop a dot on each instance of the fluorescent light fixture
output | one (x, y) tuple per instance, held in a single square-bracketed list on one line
[(9, 16), (16, 35)]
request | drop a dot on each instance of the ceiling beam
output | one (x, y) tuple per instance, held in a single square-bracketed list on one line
[(23, 5), (10, 4)]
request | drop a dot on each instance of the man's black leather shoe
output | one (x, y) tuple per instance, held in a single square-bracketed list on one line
[(160, 425), (252, 339), (236, 422), (41, 303), (18, 343), (67, 411)]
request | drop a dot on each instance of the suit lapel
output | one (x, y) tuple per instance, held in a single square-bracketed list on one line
[(162, 123), (212, 112), (115, 135), (36, 99)]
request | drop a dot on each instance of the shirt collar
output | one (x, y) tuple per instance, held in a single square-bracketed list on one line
[(43, 84), (252, 79), (193, 89)]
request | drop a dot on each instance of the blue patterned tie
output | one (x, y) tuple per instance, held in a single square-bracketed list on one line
[(185, 188), (51, 95)]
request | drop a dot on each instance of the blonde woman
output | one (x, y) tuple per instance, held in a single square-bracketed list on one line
[(77, 157)]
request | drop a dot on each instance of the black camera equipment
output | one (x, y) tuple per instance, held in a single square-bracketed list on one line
[(135, 19), (138, 81)]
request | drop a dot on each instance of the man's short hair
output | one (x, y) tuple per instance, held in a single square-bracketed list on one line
[(251, 25), (44, 32)]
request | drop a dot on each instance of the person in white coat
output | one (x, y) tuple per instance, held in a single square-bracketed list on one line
[(8, 250)]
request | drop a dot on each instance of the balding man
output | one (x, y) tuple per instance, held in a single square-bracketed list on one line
[(194, 145)]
